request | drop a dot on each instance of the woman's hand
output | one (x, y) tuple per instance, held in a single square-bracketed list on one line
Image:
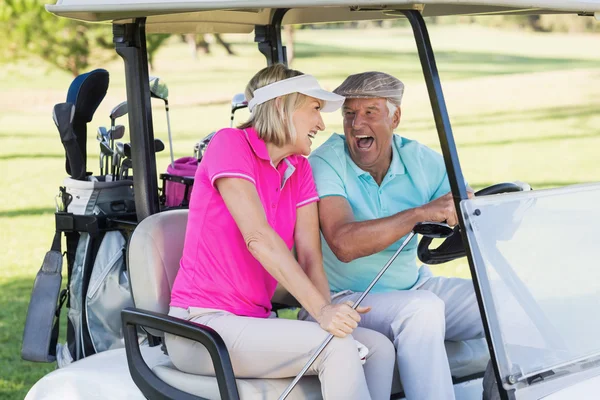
[(340, 319)]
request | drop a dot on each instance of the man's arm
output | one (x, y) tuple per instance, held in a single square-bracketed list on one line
[(350, 239)]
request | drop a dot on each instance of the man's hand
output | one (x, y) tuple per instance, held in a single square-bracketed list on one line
[(441, 210), (340, 319)]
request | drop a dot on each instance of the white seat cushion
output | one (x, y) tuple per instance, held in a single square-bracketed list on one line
[(467, 357), (308, 388)]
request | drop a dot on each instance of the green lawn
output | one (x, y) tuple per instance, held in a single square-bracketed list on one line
[(523, 106)]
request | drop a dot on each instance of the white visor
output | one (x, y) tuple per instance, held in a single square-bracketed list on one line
[(305, 84)]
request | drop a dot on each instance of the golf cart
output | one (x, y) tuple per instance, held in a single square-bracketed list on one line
[(535, 341)]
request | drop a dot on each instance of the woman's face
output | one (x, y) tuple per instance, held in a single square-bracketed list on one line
[(307, 121)]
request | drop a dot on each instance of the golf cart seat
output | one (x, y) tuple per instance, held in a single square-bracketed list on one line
[(154, 253)]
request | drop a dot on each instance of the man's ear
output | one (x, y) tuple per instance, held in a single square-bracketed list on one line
[(396, 117)]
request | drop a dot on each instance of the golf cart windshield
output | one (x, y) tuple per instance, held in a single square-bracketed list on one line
[(538, 250)]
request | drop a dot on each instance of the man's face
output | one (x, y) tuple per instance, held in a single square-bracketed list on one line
[(369, 129)]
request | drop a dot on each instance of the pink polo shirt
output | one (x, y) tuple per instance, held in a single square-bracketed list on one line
[(217, 270)]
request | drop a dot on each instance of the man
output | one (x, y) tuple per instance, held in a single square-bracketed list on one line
[(374, 187)]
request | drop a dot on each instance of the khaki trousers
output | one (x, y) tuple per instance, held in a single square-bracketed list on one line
[(418, 321), (279, 348)]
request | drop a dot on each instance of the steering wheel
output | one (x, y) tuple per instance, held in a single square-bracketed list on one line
[(452, 247)]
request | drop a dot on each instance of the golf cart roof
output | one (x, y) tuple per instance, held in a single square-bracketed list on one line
[(240, 16)]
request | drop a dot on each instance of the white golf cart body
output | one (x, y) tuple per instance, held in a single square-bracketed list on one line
[(530, 253)]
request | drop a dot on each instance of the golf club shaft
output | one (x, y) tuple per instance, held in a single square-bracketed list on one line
[(169, 132), (354, 306)]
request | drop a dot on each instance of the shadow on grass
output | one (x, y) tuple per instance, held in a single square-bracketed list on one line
[(467, 64), (29, 156), (24, 135), (26, 212), (17, 376)]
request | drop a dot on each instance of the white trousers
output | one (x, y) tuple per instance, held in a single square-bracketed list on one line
[(279, 348), (417, 322)]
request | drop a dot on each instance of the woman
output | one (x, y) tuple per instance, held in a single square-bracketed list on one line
[(254, 199)]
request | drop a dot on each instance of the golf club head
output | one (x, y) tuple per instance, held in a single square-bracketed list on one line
[(127, 150), (119, 111), (238, 101), (105, 149), (126, 165), (158, 145), (433, 229), (102, 135), (118, 132), (158, 88), (120, 149)]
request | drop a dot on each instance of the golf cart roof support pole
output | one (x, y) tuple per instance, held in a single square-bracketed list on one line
[(130, 43), (268, 38), (455, 176)]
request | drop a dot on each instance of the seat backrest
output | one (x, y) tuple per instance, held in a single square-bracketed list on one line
[(154, 253)]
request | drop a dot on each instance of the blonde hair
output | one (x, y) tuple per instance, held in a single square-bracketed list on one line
[(273, 119)]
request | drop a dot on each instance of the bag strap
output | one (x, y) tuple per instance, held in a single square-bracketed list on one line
[(40, 335)]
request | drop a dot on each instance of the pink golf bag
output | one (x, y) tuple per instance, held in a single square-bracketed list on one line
[(178, 182)]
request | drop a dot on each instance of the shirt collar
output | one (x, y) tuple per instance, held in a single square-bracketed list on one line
[(260, 148), (257, 144), (396, 166)]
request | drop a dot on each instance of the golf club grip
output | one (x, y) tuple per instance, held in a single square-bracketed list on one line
[(316, 354)]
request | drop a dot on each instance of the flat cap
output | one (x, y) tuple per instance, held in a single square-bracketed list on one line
[(372, 84)]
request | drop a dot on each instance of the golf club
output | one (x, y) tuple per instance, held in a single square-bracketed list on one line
[(158, 147), (201, 146), (119, 154), (429, 229), (238, 101), (117, 112), (105, 151), (126, 165), (116, 133), (102, 136), (159, 90)]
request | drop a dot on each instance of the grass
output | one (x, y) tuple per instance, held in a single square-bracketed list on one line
[(523, 108)]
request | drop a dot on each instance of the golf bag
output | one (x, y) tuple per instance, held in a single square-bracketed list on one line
[(177, 182), (96, 219)]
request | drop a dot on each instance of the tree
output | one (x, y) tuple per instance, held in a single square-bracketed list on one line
[(153, 42), (199, 42), (27, 28)]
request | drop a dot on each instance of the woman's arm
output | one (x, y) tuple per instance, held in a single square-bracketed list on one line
[(308, 247), (269, 249)]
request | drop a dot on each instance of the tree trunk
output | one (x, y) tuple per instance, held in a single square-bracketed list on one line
[(288, 31), (223, 43)]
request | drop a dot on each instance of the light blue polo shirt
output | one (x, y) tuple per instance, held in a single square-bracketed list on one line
[(416, 176)]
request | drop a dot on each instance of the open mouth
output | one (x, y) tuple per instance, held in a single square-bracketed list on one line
[(312, 134), (364, 142)]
